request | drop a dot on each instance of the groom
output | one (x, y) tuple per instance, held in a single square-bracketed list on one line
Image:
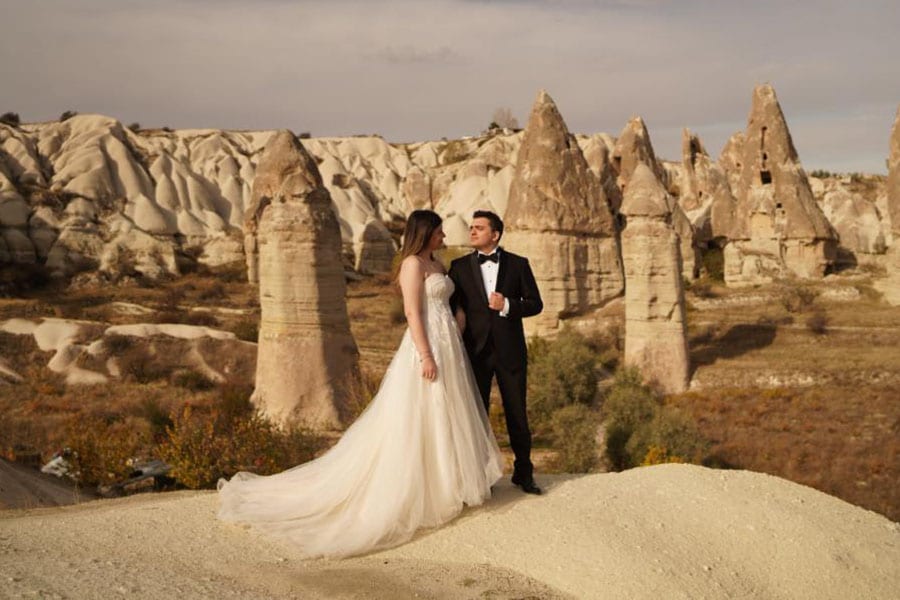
[(495, 289)]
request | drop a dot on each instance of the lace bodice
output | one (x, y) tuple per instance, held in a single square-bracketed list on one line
[(438, 289)]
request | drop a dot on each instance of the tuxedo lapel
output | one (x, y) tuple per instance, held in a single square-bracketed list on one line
[(476, 273)]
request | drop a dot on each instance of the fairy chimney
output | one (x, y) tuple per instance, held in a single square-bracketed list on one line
[(890, 285), (893, 181), (705, 195), (655, 332), (779, 228), (632, 148), (307, 359), (558, 216)]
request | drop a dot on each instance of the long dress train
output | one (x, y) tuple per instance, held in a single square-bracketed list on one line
[(419, 452)]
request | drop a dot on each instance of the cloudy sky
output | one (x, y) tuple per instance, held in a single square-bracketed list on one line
[(413, 70)]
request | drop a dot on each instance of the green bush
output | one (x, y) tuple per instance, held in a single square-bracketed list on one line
[(574, 438), (628, 405), (669, 437), (641, 431), (561, 372), (67, 115)]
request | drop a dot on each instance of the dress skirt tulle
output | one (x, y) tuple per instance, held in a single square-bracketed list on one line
[(417, 454)]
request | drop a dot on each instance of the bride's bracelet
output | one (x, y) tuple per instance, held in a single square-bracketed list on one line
[(426, 356)]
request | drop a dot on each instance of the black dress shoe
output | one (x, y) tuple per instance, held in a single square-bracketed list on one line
[(529, 487)]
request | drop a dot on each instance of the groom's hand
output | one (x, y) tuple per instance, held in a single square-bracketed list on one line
[(496, 301)]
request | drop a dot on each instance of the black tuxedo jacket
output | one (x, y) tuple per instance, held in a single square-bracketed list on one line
[(516, 282)]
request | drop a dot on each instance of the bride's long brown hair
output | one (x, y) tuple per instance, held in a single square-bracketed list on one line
[(419, 228)]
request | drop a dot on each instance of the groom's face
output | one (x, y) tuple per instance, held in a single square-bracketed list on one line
[(481, 236)]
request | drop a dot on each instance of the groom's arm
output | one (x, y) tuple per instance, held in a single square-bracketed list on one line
[(457, 299), (529, 303)]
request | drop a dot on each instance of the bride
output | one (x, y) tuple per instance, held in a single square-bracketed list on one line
[(421, 450)]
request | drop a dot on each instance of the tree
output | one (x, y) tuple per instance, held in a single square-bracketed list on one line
[(10, 118), (67, 115), (135, 127), (503, 117)]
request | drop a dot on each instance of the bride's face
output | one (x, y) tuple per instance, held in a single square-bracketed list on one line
[(437, 239)]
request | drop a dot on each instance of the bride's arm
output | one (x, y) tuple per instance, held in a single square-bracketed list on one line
[(460, 320), (412, 281)]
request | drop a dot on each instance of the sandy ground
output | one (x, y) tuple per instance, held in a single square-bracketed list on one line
[(671, 531)]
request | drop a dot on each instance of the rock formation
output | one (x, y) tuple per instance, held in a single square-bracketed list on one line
[(779, 229), (705, 195), (731, 159), (634, 147), (598, 151), (559, 218), (858, 226), (893, 182), (890, 287), (655, 332), (307, 361), (86, 353)]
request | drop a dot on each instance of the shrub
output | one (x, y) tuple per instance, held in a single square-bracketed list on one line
[(641, 431), (135, 127), (669, 437), (197, 318), (453, 152), (202, 448), (159, 419), (247, 330), (67, 115), (17, 278), (10, 118), (714, 263), (101, 450), (797, 299), (562, 372), (116, 344), (201, 451), (628, 405), (139, 364), (192, 380), (574, 437), (212, 291), (817, 322)]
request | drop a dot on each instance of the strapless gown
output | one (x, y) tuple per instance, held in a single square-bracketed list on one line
[(419, 452)]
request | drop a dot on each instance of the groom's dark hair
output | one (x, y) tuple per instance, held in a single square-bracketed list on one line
[(496, 223)]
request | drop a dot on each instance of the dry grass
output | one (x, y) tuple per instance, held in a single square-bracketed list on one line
[(817, 409), (841, 440), (804, 390)]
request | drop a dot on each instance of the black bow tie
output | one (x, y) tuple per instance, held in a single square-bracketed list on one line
[(493, 257)]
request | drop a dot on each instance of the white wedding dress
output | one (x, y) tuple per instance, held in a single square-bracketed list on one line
[(419, 452)]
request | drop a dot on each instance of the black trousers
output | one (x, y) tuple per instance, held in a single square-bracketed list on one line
[(512, 384)]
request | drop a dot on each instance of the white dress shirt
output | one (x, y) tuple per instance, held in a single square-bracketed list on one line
[(489, 270)]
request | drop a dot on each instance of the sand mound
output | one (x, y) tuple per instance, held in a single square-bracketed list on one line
[(671, 531)]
